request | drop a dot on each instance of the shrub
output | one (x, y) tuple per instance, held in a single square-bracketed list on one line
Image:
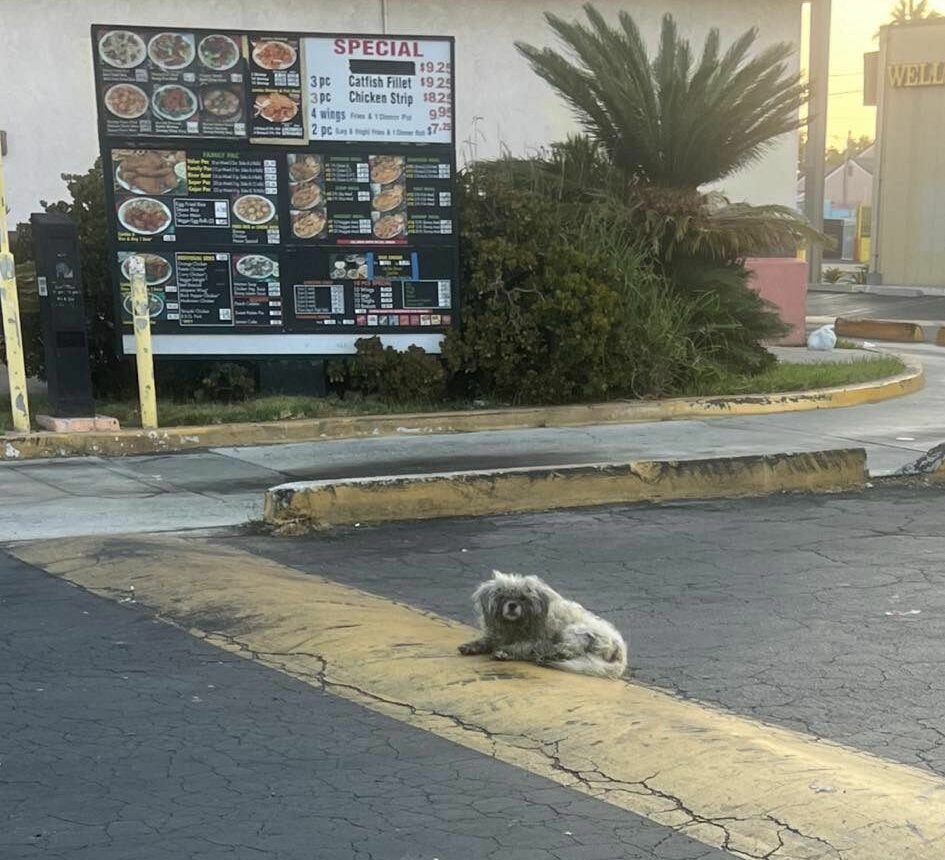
[(226, 382), (390, 375), (555, 309)]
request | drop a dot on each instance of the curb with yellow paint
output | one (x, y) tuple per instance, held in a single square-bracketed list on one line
[(128, 442), (872, 329), (503, 491), (729, 781)]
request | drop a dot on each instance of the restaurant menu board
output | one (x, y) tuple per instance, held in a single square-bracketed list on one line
[(275, 64), (369, 199), (346, 231), (379, 89), (158, 83), (195, 196), (209, 288), (369, 289)]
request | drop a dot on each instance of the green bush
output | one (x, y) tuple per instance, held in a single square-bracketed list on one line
[(226, 382), (389, 375), (555, 309)]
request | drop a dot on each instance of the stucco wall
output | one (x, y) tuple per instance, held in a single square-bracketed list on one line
[(48, 110), (910, 188)]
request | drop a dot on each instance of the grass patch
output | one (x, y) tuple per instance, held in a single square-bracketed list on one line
[(800, 377), (782, 377), (273, 408)]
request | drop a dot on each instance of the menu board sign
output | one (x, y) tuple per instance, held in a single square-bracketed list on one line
[(380, 89), (281, 187), (158, 83), (370, 198), (276, 87)]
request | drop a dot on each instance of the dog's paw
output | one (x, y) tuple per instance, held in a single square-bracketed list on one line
[(501, 655)]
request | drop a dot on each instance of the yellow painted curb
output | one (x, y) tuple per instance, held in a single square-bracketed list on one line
[(729, 781), (449, 494), (890, 330), (127, 442)]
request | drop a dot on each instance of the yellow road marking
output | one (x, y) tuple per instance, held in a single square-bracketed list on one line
[(728, 781)]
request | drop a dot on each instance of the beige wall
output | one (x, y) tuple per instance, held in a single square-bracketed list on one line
[(49, 113), (909, 237)]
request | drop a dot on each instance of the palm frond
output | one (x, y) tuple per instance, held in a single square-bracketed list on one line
[(672, 120)]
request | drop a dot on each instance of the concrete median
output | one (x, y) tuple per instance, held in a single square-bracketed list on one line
[(895, 331), (483, 493)]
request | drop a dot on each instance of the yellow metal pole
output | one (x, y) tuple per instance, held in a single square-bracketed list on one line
[(12, 333), (141, 320)]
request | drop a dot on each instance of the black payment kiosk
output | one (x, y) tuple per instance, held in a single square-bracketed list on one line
[(62, 313)]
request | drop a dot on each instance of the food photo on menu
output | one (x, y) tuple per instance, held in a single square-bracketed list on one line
[(276, 108), (150, 171), (349, 267), (254, 209), (172, 51), (388, 196), (256, 267), (158, 274), (274, 55), (307, 213), (172, 83), (142, 176), (275, 81)]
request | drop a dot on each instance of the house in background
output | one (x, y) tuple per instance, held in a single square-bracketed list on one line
[(848, 200)]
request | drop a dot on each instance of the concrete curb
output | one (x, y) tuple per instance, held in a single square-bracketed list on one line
[(506, 491), (879, 290), (888, 330), (125, 443)]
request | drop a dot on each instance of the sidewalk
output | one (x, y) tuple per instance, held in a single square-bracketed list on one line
[(225, 486)]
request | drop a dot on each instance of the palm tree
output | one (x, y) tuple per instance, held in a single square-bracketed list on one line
[(656, 132), (670, 121), (669, 125), (908, 11)]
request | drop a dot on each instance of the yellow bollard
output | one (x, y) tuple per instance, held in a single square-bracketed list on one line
[(141, 321), (12, 333)]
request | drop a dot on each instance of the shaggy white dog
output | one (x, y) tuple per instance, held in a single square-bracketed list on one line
[(522, 618)]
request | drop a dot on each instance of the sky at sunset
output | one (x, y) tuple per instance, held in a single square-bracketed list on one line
[(854, 25)]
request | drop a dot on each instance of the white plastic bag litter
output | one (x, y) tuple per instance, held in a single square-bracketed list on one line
[(823, 339)]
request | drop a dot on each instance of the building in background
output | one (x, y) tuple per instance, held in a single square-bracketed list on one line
[(908, 242), (49, 117), (848, 198)]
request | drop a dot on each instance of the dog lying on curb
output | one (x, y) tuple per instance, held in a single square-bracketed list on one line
[(522, 618)]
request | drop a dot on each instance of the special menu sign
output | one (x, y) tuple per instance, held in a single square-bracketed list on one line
[(364, 89), (291, 191)]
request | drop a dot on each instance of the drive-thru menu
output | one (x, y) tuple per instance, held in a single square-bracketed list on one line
[(289, 191)]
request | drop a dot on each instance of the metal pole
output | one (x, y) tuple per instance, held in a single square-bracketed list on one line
[(819, 65), (12, 332), (141, 321)]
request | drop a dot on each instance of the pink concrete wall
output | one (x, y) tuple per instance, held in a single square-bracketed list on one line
[(783, 282)]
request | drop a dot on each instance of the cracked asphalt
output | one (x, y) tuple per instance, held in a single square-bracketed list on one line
[(122, 736), (821, 614)]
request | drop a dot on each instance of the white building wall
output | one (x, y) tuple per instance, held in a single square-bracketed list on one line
[(47, 104)]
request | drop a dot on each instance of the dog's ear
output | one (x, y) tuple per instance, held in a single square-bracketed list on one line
[(484, 596), (541, 598)]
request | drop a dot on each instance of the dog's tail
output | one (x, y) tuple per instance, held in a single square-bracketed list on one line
[(593, 664)]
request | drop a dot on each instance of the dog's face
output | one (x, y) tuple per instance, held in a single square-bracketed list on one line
[(511, 602)]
